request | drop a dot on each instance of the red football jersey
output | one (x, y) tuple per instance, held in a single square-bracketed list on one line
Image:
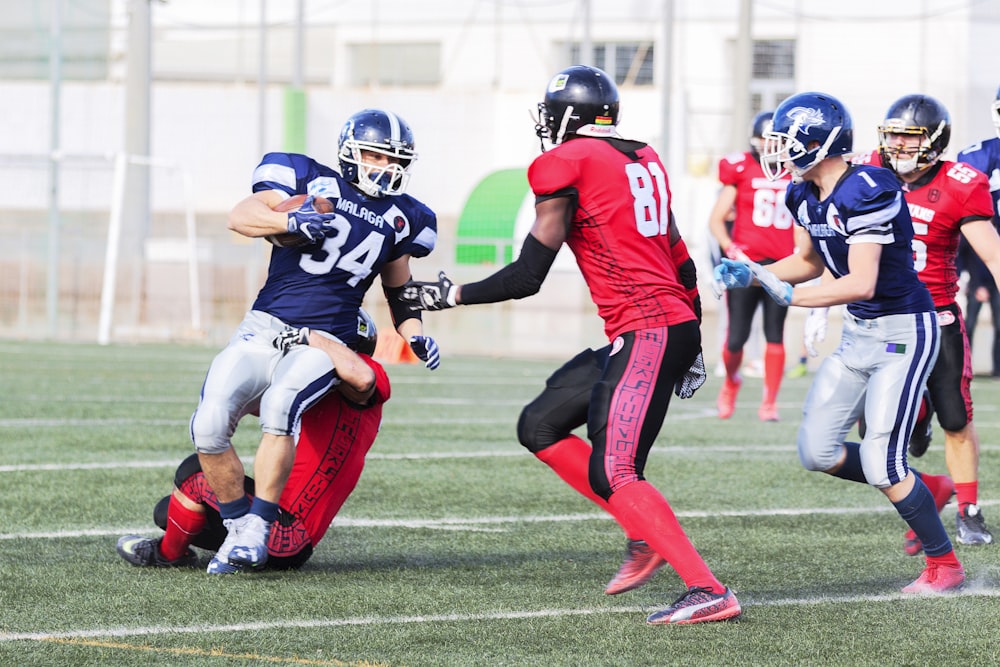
[(336, 435), (763, 227), (957, 193), (621, 231)]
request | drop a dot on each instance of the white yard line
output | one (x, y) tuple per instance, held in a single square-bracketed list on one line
[(486, 523), (449, 618)]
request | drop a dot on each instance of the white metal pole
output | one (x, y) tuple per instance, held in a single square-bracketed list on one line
[(55, 75), (111, 251)]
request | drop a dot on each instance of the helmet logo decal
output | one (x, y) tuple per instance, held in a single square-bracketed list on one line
[(804, 118), (558, 83), (603, 120)]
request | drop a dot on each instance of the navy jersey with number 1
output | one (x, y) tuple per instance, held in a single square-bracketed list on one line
[(866, 206), (321, 286)]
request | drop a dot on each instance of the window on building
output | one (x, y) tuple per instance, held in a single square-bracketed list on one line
[(395, 64), (773, 73), (630, 63)]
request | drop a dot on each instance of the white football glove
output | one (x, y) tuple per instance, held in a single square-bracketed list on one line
[(814, 330), (776, 288)]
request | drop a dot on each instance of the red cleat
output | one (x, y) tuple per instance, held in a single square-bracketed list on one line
[(937, 579), (726, 403), (641, 563), (768, 412)]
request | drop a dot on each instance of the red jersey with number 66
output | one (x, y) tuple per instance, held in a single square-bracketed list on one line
[(621, 229), (763, 227), (943, 199)]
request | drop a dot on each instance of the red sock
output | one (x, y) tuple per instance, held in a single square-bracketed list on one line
[(570, 459), (922, 412), (774, 370), (646, 510), (966, 493), (183, 524), (948, 560), (733, 361)]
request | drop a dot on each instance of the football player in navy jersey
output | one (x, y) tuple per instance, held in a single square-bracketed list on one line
[(948, 201), (608, 199), (317, 286), (855, 223)]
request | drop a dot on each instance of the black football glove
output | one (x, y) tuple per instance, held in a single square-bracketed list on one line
[(291, 337), (430, 295), (692, 380)]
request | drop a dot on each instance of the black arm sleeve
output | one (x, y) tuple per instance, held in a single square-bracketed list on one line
[(517, 280), (399, 309)]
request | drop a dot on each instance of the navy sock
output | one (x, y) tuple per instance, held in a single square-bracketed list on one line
[(268, 511), (852, 470), (919, 512), (234, 509)]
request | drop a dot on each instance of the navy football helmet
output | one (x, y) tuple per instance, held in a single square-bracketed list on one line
[(377, 131), (995, 112), (367, 334), (917, 115), (579, 100), (807, 128), (761, 123)]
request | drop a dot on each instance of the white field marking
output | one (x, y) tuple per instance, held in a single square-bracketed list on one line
[(697, 450), (400, 456), (491, 523), (453, 618)]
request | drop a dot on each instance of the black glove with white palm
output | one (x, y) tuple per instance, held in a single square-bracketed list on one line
[(431, 295), (692, 380)]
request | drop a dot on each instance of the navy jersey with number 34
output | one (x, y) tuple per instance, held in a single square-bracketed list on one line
[(866, 206), (321, 286)]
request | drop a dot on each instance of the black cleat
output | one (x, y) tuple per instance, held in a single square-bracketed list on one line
[(145, 552)]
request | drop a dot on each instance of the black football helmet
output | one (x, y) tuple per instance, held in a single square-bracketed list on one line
[(579, 100), (378, 131), (920, 115), (995, 112), (367, 334), (806, 129), (761, 123)]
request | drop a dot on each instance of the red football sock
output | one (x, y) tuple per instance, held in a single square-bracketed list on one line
[(183, 524), (570, 459), (774, 370), (967, 493), (922, 412), (949, 559), (732, 361), (646, 510)]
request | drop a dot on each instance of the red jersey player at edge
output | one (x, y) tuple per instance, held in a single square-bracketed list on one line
[(763, 231), (947, 200), (608, 199)]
